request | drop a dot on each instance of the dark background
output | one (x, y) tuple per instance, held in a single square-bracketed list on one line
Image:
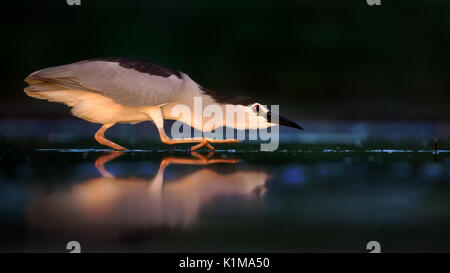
[(368, 83), (317, 59)]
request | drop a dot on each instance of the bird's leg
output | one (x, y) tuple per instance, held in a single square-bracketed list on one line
[(156, 115), (201, 142), (100, 137)]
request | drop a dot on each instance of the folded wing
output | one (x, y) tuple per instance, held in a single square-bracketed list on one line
[(126, 81)]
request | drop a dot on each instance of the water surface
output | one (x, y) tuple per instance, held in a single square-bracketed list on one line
[(304, 197)]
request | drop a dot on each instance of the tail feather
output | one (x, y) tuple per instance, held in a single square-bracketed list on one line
[(51, 93), (44, 87), (55, 84), (47, 74)]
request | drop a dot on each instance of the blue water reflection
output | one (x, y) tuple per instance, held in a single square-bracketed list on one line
[(109, 206), (301, 198)]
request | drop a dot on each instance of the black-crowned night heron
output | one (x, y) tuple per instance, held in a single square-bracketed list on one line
[(120, 90)]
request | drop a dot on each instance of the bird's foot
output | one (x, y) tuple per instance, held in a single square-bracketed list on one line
[(113, 145), (206, 142), (100, 137), (207, 158), (102, 140)]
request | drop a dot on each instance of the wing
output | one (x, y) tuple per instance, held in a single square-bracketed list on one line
[(126, 81)]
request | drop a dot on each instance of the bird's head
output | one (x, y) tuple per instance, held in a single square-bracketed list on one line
[(247, 114), (260, 117)]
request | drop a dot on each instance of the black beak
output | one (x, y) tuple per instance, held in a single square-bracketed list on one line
[(283, 121)]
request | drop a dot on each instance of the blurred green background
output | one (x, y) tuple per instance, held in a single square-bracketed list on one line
[(317, 59)]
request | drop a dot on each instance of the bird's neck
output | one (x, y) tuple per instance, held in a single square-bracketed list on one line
[(198, 108), (196, 111), (208, 116)]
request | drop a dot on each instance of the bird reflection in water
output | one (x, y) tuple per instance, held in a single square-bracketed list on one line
[(110, 206)]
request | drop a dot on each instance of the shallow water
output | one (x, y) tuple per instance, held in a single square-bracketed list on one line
[(304, 197)]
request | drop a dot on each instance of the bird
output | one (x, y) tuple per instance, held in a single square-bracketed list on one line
[(115, 90)]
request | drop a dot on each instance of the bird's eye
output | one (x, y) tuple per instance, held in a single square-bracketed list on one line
[(256, 108)]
